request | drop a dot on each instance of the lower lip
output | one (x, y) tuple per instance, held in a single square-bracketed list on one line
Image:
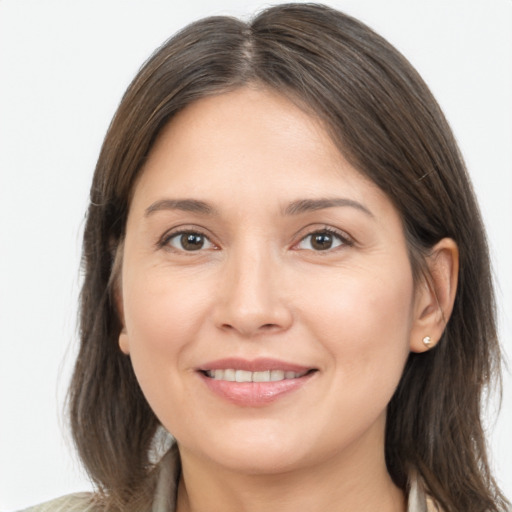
[(254, 394)]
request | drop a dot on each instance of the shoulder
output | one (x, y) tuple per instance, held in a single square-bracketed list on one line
[(79, 502)]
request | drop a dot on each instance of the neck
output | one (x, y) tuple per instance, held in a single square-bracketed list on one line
[(356, 480)]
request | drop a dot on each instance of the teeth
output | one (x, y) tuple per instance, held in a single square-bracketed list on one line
[(232, 375), (229, 375), (276, 375), (261, 376), (243, 376)]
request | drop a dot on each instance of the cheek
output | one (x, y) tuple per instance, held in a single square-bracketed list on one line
[(162, 316), (161, 310), (363, 318), (362, 301)]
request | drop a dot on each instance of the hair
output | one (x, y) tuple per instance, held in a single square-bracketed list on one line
[(387, 124)]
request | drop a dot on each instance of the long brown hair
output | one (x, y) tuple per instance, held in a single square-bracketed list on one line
[(386, 122)]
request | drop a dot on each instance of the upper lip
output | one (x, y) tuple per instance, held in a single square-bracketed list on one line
[(254, 365)]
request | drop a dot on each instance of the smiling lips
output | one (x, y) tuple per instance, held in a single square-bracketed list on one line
[(253, 383), (232, 375)]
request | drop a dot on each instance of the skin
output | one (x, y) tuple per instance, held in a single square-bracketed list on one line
[(259, 288)]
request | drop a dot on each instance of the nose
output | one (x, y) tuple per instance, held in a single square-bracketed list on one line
[(251, 297)]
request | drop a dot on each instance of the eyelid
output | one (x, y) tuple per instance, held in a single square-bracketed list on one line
[(345, 238), (163, 241)]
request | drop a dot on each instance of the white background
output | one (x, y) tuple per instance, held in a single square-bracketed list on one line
[(63, 68)]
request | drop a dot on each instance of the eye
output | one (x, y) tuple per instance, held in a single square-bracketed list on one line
[(322, 240), (188, 241)]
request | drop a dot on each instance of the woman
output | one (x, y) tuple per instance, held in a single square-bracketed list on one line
[(285, 268)]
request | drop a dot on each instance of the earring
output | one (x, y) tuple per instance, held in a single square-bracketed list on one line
[(427, 341)]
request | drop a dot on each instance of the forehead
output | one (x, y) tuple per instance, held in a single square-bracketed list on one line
[(244, 145)]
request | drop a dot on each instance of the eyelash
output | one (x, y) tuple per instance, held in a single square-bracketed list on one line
[(342, 237), (164, 243)]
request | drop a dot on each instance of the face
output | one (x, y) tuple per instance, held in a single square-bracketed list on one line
[(266, 292)]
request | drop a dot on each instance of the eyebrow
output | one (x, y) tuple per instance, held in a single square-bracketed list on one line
[(294, 208), (185, 205), (307, 205)]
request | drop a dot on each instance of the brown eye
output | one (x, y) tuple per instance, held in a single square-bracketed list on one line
[(321, 241), (192, 241), (189, 241)]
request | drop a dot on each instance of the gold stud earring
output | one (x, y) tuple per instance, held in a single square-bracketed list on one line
[(427, 341)]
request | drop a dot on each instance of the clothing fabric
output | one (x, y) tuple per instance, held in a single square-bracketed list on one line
[(165, 493)]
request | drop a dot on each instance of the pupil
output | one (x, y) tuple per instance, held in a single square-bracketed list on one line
[(322, 241), (192, 241)]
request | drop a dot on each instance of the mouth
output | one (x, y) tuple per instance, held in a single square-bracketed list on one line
[(254, 383), (237, 375)]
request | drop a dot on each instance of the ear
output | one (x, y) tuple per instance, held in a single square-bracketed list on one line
[(123, 342), (118, 296), (123, 335), (435, 296)]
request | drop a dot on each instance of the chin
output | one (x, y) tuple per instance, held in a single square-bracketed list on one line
[(251, 452), (258, 460)]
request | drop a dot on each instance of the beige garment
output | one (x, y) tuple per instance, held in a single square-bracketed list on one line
[(165, 494)]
